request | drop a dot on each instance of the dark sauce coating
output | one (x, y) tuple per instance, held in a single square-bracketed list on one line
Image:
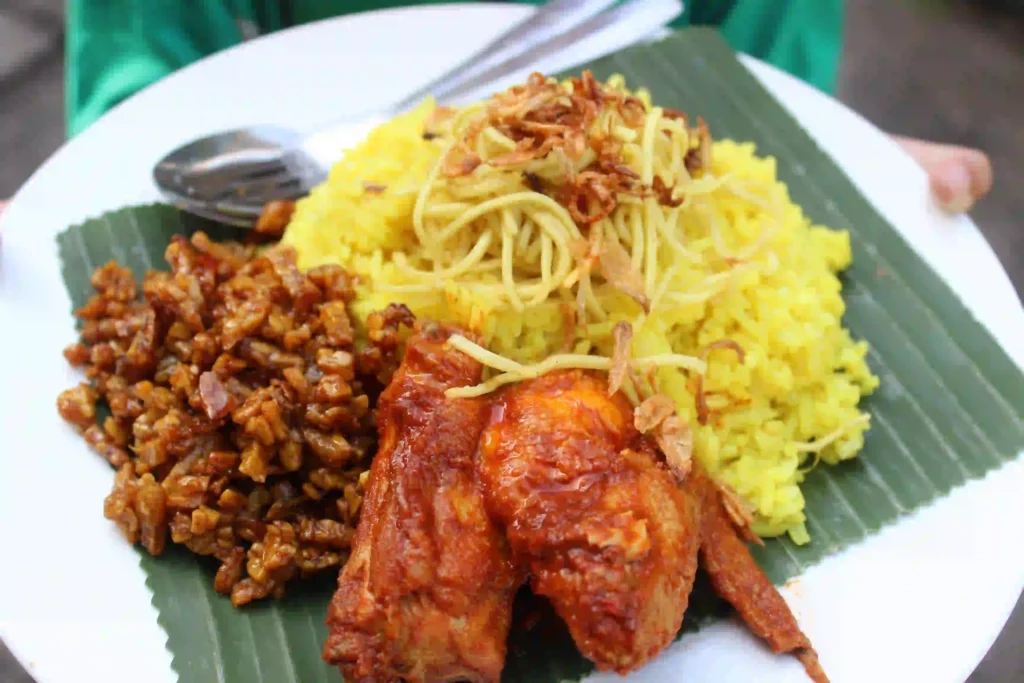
[(427, 594)]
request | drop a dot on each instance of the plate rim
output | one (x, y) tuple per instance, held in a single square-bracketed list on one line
[(759, 68)]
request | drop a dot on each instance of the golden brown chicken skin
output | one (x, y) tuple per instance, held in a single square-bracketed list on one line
[(427, 593), (603, 528), (736, 577)]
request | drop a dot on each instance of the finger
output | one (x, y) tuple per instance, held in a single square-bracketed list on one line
[(959, 176), (3, 205)]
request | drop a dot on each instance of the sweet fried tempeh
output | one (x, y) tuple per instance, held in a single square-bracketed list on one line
[(427, 593), (737, 578), (599, 522)]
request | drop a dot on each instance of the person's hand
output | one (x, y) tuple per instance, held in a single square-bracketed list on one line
[(959, 176)]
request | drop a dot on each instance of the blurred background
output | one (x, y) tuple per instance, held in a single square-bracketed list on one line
[(941, 70)]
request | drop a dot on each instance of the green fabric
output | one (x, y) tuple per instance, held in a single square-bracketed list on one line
[(803, 37), (117, 47)]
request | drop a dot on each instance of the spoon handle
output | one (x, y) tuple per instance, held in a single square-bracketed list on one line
[(633, 19), (547, 23)]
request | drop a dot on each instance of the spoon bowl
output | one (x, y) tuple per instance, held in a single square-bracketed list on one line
[(232, 175)]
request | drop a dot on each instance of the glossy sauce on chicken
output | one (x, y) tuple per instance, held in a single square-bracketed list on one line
[(548, 479), (427, 594), (592, 513)]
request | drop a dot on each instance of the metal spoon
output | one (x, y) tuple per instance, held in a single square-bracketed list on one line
[(230, 176)]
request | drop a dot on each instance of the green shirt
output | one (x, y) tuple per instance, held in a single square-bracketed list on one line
[(117, 47)]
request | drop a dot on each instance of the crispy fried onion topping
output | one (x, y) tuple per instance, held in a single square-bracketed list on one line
[(542, 117), (700, 159), (622, 333), (675, 439), (614, 265), (652, 412), (618, 270), (740, 511), (657, 416), (460, 161)]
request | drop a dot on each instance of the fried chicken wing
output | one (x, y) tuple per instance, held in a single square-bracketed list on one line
[(736, 577), (601, 525), (427, 593)]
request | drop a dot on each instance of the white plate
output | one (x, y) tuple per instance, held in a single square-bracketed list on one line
[(921, 601)]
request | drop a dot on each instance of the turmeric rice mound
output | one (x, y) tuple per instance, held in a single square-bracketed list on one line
[(760, 274)]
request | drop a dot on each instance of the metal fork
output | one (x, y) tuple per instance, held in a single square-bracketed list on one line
[(230, 176)]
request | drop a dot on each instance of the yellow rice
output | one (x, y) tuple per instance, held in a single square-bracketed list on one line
[(792, 402)]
